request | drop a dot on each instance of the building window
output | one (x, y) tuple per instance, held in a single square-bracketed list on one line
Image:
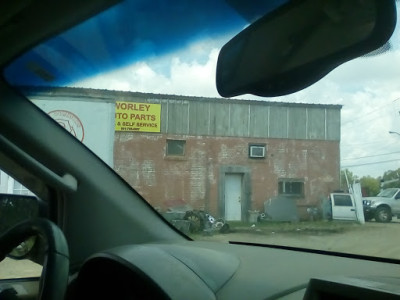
[(176, 147), (257, 150), (291, 187)]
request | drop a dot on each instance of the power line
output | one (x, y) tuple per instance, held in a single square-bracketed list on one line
[(384, 106), (362, 120), (373, 163), (352, 158), (363, 144), (383, 147), (382, 144), (377, 142)]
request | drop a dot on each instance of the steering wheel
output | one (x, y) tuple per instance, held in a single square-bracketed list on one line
[(54, 278)]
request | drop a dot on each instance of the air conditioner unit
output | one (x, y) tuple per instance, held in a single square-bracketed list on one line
[(257, 151)]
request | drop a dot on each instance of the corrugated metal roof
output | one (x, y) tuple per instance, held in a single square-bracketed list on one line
[(111, 96)]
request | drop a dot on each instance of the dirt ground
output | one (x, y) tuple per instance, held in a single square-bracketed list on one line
[(11, 268), (372, 239)]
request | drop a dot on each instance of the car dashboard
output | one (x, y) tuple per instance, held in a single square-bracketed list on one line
[(203, 270)]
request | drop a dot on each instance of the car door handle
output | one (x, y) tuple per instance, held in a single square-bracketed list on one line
[(352, 209)]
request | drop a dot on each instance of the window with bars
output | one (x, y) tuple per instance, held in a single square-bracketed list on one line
[(291, 187)]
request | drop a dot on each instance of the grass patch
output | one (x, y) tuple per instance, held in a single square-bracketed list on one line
[(313, 228)]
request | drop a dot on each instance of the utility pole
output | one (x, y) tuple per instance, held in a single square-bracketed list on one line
[(347, 181)]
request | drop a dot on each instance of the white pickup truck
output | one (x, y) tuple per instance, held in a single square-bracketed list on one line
[(382, 207)]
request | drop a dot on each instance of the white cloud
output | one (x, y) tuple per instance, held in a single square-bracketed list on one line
[(367, 88), (184, 78)]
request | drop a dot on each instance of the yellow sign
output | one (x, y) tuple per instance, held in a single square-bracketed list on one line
[(132, 116)]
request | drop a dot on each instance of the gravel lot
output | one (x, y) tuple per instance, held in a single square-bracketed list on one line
[(10, 268), (373, 239)]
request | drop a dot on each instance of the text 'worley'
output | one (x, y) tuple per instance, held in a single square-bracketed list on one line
[(132, 106)]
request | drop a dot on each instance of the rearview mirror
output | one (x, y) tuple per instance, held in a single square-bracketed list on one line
[(299, 43)]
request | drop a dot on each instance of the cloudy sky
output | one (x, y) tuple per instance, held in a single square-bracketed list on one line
[(368, 88)]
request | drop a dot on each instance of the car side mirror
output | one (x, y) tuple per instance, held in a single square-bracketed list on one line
[(299, 43)]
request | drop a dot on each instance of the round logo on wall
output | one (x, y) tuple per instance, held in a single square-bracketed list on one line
[(70, 122)]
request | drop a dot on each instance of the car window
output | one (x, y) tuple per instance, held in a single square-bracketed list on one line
[(138, 89), (15, 208), (342, 200)]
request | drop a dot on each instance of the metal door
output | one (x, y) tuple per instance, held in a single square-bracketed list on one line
[(343, 207), (233, 197)]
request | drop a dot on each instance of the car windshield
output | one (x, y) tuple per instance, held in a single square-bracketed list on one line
[(387, 193), (136, 84)]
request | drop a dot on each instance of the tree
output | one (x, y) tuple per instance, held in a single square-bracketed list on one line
[(370, 186), (392, 179)]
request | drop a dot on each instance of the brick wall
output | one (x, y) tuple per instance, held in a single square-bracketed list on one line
[(193, 179)]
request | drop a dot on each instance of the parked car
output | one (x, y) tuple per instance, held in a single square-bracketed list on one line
[(383, 206)]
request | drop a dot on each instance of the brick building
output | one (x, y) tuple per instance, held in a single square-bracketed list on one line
[(225, 156)]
